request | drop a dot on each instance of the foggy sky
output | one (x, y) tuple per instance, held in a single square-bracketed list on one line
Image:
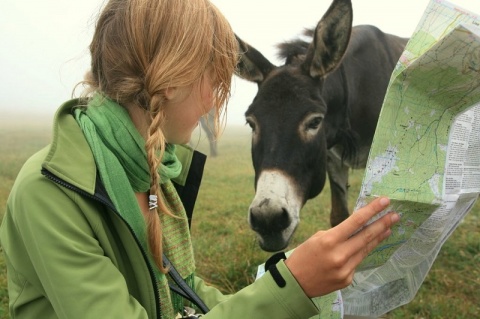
[(44, 44)]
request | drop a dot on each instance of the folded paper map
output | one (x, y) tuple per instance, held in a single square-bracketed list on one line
[(425, 156)]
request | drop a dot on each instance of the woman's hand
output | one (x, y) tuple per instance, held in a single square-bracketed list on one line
[(326, 261)]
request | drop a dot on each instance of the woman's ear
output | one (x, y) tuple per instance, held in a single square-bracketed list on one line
[(170, 93), (176, 93)]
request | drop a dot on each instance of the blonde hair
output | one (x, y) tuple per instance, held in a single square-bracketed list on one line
[(142, 47)]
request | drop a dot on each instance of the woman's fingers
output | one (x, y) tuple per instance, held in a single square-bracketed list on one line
[(360, 217), (369, 237), (363, 239), (327, 260), (363, 243)]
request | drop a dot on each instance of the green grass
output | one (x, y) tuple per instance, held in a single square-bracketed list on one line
[(226, 249)]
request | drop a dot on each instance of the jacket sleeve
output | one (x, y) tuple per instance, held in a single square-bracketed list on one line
[(54, 254), (210, 295), (262, 299)]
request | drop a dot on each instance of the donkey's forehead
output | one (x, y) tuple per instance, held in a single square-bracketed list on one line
[(290, 80), (287, 87), (288, 74)]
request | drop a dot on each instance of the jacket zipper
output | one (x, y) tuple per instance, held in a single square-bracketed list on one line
[(108, 203)]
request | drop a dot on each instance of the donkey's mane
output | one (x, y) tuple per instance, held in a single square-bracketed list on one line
[(349, 141), (296, 48)]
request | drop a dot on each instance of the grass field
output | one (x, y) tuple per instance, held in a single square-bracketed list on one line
[(226, 249)]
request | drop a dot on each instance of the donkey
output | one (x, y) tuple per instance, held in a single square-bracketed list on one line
[(315, 114)]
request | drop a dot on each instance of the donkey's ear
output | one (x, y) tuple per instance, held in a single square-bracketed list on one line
[(330, 39), (252, 65)]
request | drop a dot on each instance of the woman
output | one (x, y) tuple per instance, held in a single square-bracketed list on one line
[(93, 218)]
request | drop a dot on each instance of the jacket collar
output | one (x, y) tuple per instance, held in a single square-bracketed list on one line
[(69, 157)]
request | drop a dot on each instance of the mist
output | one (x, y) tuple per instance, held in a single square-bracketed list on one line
[(45, 43)]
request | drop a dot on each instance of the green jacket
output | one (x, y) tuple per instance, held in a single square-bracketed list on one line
[(70, 255)]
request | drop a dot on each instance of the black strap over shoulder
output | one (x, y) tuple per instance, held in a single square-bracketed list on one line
[(188, 192), (182, 288)]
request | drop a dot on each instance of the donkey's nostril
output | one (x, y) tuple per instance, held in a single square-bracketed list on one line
[(257, 221), (269, 222), (283, 221)]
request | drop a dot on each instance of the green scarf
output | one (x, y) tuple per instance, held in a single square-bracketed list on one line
[(121, 159)]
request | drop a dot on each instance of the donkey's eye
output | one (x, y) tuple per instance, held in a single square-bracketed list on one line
[(311, 126), (314, 123), (251, 123)]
